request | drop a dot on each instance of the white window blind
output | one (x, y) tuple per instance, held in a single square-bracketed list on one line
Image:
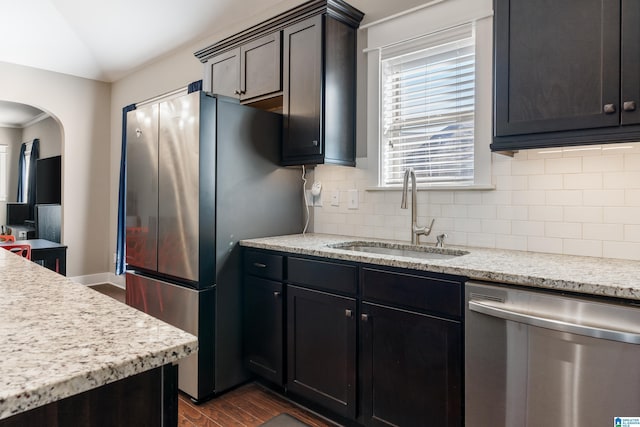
[(427, 112), (3, 173)]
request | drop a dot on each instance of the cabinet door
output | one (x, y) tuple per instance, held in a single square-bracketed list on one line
[(557, 65), (260, 67), (630, 85), (302, 97), (224, 73), (321, 343), (411, 368), (263, 328)]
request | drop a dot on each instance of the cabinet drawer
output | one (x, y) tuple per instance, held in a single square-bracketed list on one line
[(263, 264), (407, 290), (323, 275)]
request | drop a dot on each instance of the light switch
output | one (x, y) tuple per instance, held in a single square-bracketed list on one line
[(335, 198)]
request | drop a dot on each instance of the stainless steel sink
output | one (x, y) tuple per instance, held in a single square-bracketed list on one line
[(410, 251)]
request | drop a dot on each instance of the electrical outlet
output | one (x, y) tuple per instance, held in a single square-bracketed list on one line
[(335, 198), (309, 197), (352, 201), (317, 200)]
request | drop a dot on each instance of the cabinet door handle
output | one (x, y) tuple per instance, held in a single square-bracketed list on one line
[(364, 317), (315, 142), (609, 108), (277, 294), (629, 105), (237, 92), (259, 265), (348, 313)]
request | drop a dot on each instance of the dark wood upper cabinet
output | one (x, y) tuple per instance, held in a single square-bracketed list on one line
[(301, 63), (246, 72), (565, 73), (319, 97)]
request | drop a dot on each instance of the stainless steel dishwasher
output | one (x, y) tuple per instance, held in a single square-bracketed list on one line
[(538, 359)]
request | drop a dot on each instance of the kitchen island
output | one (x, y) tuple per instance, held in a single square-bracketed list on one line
[(73, 356)]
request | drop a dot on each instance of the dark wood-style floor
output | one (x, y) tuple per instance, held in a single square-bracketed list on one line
[(247, 406)]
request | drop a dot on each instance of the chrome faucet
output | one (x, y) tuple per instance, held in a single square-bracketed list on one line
[(416, 231)]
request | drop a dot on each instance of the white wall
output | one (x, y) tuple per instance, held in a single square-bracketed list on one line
[(81, 107), (49, 134), (9, 137)]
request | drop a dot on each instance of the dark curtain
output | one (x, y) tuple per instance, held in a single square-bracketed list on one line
[(22, 170), (31, 191), (122, 196), (195, 86)]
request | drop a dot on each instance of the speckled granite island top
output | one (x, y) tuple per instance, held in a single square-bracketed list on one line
[(59, 338), (596, 276)]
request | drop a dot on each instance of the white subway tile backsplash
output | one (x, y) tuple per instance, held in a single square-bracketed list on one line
[(622, 250), (573, 202), (546, 182), (608, 163), (568, 230), (582, 247), (603, 231), (563, 165), (546, 213), (611, 197), (624, 215), (564, 197), (582, 181), (544, 244), (583, 214)]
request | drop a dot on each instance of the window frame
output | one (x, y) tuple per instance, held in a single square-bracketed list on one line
[(415, 25), (424, 52)]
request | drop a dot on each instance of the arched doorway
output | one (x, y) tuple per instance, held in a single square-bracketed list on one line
[(22, 124)]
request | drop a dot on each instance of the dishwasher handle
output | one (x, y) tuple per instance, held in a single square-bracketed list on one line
[(492, 309)]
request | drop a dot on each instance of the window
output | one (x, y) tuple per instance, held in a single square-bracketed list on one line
[(427, 98), (3, 173)]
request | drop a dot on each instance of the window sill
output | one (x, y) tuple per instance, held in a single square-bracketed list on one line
[(475, 187)]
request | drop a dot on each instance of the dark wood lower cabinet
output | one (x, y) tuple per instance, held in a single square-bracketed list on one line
[(263, 328), (411, 368), (321, 341), (146, 399)]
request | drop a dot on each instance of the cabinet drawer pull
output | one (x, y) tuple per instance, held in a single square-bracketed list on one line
[(348, 313), (364, 317), (277, 294), (315, 142), (629, 105), (237, 92), (609, 108), (259, 265)]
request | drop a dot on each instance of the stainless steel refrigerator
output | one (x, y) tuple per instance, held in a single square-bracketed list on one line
[(202, 174)]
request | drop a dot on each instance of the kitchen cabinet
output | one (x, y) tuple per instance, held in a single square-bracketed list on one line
[(321, 333), (263, 316), (374, 345), (321, 348), (557, 84), (310, 52), (319, 92), (410, 355), (249, 71)]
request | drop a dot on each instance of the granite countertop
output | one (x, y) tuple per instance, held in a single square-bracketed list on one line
[(59, 338), (595, 276)]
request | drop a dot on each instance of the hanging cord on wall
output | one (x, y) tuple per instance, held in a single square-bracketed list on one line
[(304, 198)]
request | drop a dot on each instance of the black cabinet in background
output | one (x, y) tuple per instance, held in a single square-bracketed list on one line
[(566, 72)]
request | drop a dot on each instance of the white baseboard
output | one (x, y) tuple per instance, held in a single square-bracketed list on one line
[(95, 279)]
